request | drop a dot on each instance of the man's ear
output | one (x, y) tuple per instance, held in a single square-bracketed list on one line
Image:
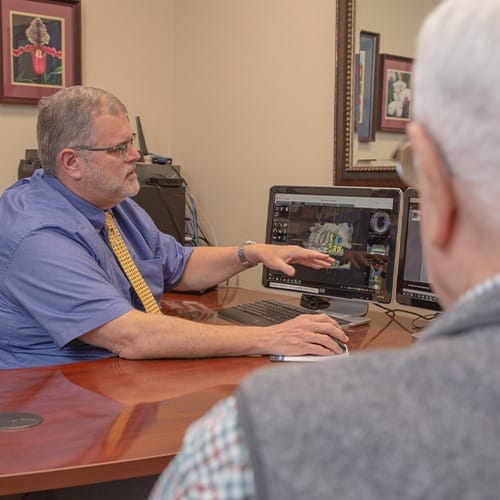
[(435, 186), (68, 161)]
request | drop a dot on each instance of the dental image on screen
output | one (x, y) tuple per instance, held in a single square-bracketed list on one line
[(357, 231)]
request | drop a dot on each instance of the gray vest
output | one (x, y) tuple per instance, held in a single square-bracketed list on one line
[(420, 423)]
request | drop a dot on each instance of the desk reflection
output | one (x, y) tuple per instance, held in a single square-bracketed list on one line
[(112, 409), (114, 419)]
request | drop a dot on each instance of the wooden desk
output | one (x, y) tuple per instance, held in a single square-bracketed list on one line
[(116, 419)]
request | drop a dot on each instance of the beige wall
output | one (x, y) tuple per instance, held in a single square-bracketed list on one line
[(126, 50), (253, 105), (397, 38), (239, 93)]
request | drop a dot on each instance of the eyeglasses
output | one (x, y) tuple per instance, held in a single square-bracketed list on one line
[(123, 148), (405, 167)]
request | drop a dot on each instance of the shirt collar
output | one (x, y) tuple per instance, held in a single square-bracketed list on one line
[(477, 307), (480, 289), (91, 212)]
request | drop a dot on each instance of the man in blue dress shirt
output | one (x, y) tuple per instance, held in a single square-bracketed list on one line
[(63, 295)]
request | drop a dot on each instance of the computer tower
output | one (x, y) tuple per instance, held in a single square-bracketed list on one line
[(28, 164), (166, 205)]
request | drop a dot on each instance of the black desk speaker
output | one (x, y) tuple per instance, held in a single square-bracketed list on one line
[(165, 204)]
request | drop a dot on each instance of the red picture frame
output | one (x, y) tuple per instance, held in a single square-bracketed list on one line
[(40, 48), (395, 93)]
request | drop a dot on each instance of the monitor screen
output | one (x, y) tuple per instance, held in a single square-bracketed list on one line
[(357, 226), (413, 287)]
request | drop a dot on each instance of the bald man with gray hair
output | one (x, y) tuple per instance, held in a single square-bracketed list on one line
[(407, 424)]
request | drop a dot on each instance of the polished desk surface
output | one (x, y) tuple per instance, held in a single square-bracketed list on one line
[(115, 419)]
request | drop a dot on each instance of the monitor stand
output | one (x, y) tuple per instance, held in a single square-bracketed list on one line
[(335, 306)]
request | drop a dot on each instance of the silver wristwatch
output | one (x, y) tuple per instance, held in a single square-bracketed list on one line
[(241, 253)]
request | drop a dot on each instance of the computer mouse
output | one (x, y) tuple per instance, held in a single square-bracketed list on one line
[(342, 345), (310, 357)]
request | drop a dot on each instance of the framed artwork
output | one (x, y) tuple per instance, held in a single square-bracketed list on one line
[(366, 80), (395, 92), (40, 48)]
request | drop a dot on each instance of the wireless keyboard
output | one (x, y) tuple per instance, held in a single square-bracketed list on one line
[(270, 312)]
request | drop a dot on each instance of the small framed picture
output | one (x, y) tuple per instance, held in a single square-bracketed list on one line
[(395, 92), (366, 80), (40, 48)]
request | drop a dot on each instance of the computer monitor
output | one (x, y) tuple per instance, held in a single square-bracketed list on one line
[(357, 226), (412, 286)]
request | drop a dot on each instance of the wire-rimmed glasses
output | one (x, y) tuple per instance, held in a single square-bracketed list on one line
[(123, 148)]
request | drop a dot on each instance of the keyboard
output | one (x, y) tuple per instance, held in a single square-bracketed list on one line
[(269, 312)]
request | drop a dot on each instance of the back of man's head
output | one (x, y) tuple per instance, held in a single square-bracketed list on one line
[(66, 119), (457, 97)]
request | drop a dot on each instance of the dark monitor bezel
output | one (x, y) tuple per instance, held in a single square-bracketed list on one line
[(402, 298), (368, 191)]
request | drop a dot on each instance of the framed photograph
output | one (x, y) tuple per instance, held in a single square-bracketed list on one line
[(40, 48), (395, 92), (366, 79)]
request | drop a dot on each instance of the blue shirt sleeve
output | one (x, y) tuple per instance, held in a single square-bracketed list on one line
[(61, 286)]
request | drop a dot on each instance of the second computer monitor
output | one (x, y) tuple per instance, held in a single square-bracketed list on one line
[(413, 286), (357, 226)]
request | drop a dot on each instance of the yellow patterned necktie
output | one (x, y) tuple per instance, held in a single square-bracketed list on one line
[(128, 265)]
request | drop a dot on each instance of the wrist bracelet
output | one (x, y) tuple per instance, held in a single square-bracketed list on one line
[(241, 254)]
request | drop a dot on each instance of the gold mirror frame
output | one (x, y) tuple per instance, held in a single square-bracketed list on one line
[(345, 172)]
